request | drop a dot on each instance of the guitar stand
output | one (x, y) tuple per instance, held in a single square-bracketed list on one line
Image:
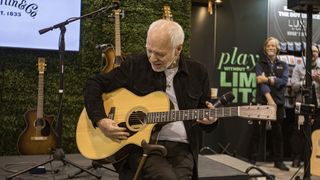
[(147, 150), (94, 165), (268, 176), (205, 149), (58, 155), (224, 149)]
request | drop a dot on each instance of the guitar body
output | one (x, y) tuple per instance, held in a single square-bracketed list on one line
[(111, 60), (315, 156), (91, 141), (31, 144)]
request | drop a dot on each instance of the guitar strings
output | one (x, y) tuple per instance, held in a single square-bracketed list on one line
[(179, 114)]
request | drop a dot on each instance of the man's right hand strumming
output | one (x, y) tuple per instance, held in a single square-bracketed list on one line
[(110, 129)]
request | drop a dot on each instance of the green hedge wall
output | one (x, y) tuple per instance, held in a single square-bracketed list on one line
[(19, 74)]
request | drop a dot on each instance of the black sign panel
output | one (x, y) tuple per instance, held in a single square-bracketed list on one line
[(288, 25), (241, 30)]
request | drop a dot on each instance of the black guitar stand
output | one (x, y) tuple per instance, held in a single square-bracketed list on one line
[(263, 173), (58, 154), (94, 165)]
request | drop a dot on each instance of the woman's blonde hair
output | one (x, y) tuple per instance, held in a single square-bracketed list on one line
[(270, 39)]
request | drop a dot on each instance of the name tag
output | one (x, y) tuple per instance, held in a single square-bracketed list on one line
[(279, 67)]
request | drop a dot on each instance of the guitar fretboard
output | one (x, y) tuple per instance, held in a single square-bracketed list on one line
[(117, 33), (40, 96), (192, 114)]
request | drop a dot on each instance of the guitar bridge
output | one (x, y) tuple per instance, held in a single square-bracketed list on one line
[(38, 138)]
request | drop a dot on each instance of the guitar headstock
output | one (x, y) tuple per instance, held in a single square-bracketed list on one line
[(41, 65), (116, 5), (167, 13), (259, 112)]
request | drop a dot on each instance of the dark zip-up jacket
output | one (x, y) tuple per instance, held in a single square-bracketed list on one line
[(191, 85), (278, 69)]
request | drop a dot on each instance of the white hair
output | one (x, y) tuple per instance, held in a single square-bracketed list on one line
[(174, 30)]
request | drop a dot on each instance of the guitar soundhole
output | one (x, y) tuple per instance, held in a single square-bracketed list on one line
[(39, 123), (136, 120), (44, 126)]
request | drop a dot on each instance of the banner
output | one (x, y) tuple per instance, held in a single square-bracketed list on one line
[(289, 26), (21, 21)]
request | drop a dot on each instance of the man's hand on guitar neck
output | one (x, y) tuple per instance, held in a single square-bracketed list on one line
[(110, 129), (209, 120)]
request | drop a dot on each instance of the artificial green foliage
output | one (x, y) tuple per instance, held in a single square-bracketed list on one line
[(19, 74)]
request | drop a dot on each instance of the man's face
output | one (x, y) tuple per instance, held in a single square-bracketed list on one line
[(271, 48), (159, 51)]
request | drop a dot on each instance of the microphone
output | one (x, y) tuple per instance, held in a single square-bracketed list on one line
[(224, 99)]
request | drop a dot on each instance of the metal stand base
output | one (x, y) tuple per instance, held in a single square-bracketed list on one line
[(94, 165), (57, 156)]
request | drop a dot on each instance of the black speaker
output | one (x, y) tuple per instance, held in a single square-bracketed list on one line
[(301, 5)]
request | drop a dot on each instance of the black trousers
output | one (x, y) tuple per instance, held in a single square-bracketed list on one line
[(276, 135), (297, 140), (177, 164)]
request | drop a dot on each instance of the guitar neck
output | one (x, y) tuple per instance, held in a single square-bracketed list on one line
[(117, 33), (192, 114), (40, 96), (260, 112)]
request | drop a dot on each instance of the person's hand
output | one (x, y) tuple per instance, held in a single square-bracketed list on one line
[(110, 129), (311, 120), (271, 80), (316, 77), (262, 79), (209, 120)]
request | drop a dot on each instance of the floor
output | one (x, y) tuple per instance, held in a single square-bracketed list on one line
[(217, 166), (267, 167), (293, 173)]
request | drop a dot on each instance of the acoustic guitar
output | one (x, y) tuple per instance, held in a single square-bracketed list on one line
[(141, 116), (38, 137), (113, 56), (315, 156)]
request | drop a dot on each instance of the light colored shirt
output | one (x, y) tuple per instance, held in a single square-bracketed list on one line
[(298, 81), (174, 131)]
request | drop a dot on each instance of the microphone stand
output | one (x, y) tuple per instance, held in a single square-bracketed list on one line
[(58, 153), (309, 98)]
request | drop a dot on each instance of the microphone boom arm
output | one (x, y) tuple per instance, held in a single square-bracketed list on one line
[(62, 24)]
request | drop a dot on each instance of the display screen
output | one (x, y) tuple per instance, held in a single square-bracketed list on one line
[(21, 20)]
